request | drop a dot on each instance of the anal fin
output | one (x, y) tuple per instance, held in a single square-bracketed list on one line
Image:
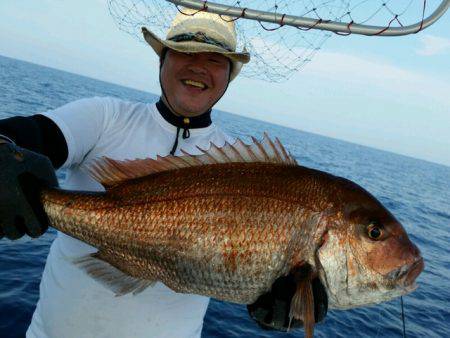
[(110, 276)]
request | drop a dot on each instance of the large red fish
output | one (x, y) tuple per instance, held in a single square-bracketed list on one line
[(228, 223)]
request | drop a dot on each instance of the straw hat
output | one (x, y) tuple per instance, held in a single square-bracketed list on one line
[(201, 32)]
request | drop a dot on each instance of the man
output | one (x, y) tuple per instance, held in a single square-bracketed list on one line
[(198, 59)]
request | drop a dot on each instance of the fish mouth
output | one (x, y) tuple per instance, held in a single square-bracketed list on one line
[(414, 271), (404, 277), (407, 276)]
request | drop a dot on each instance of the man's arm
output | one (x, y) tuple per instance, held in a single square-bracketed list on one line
[(57, 138), (38, 134), (22, 174)]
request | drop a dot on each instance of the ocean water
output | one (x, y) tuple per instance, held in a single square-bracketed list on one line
[(417, 193)]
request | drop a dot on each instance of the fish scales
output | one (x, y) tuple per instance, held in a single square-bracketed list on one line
[(225, 231), (239, 223)]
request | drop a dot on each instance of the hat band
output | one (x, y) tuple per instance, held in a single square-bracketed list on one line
[(200, 37)]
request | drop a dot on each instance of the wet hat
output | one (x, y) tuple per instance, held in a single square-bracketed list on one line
[(201, 32)]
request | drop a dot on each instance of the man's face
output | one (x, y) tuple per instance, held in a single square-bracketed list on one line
[(194, 82)]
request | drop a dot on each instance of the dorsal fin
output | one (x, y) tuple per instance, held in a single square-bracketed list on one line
[(111, 172)]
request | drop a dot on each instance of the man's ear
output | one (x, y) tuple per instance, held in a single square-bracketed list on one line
[(162, 57)]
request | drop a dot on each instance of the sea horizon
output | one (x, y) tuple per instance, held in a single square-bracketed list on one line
[(232, 113), (415, 191)]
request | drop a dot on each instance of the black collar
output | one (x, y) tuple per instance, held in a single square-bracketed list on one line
[(201, 121)]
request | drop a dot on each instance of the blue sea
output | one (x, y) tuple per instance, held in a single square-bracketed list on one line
[(416, 191)]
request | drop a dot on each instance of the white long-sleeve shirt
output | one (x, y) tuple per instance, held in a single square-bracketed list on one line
[(71, 303)]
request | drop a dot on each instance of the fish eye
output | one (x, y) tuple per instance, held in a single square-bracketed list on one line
[(374, 231)]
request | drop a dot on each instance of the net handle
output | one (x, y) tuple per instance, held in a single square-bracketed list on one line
[(308, 23)]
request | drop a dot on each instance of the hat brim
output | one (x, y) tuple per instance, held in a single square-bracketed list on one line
[(158, 45)]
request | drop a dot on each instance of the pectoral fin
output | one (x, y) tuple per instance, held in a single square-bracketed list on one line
[(111, 277), (285, 306), (302, 304)]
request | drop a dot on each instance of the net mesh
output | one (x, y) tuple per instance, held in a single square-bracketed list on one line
[(277, 51)]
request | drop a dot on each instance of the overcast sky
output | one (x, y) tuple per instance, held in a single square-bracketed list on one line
[(388, 93)]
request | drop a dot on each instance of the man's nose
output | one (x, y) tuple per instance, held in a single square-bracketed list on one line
[(197, 67), (197, 63)]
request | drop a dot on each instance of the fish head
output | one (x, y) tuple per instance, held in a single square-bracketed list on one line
[(366, 256)]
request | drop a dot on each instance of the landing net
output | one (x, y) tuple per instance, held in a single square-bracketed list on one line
[(279, 50)]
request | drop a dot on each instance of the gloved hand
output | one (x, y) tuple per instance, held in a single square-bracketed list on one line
[(22, 175), (271, 310)]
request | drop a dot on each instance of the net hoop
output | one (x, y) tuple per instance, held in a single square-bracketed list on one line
[(309, 23), (282, 44)]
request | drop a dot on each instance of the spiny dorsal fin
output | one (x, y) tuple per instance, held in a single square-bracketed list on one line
[(111, 172)]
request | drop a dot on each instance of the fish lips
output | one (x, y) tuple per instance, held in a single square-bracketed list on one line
[(414, 271), (406, 275)]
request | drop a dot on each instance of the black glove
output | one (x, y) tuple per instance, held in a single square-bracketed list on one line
[(23, 173), (271, 310)]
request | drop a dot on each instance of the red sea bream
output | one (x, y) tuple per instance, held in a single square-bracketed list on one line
[(227, 223)]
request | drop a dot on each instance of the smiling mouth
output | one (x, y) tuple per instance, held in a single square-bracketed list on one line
[(195, 84)]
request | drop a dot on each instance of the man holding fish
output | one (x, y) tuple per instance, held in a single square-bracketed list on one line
[(330, 240)]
